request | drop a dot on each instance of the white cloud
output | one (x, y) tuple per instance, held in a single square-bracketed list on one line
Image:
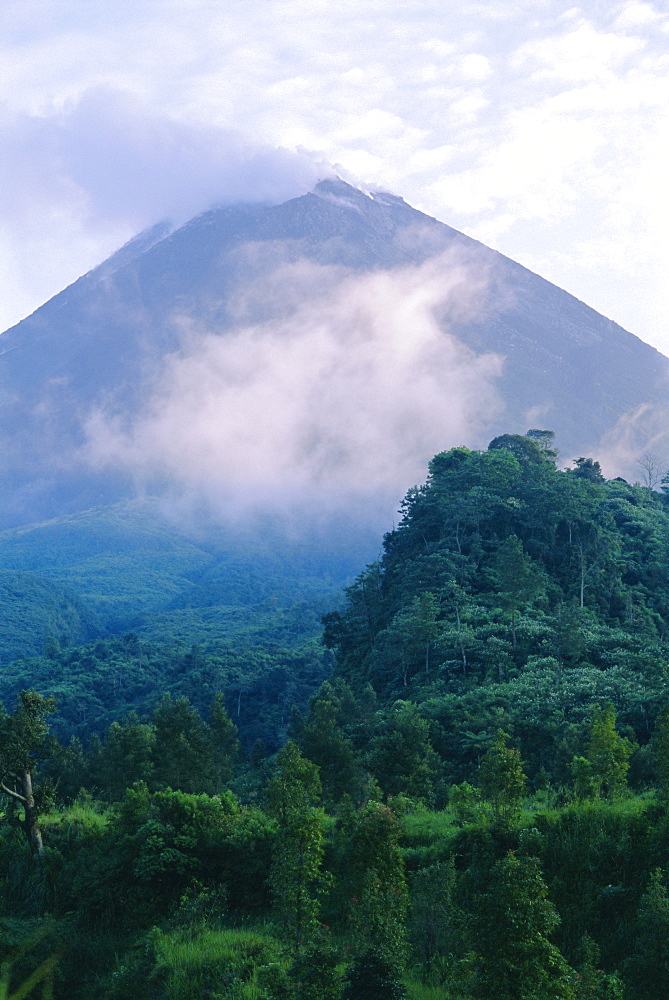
[(76, 183), (476, 67), (637, 15), (349, 395), (576, 56)]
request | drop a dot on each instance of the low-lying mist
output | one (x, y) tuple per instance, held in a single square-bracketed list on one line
[(339, 403)]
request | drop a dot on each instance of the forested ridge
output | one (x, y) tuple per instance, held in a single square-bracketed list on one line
[(462, 793)]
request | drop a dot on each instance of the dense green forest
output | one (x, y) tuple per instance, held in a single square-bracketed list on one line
[(462, 791)]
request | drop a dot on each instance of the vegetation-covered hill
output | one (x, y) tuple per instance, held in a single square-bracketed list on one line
[(514, 594), (473, 805), (119, 606), (129, 562)]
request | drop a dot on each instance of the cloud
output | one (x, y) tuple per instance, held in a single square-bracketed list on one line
[(637, 434), (346, 396), (110, 159), (77, 182)]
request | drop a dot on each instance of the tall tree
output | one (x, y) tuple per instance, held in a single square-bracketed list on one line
[(510, 921), (292, 798), (520, 581), (648, 969), (184, 753), (125, 756), (374, 875), (502, 780), (24, 739), (603, 769)]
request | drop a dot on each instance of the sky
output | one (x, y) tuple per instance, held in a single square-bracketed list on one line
[(537, 127)]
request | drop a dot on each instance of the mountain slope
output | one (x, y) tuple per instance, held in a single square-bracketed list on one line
[(104, 340)]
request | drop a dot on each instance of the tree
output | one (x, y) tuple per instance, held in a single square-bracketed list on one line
[(545, 441), (502, 780), (592, 983), (587, 468), (184, 754), (520, 581), (651, 470), (509, 923), (400, 754), (433, 911), (315, 973), (661, 740), (373, 977), (411, 634), (372, 870), (223, 735), (292, 797), (603, 769), (325, 744), (525, 449), (648, 968), (126, 756), (24, 739)]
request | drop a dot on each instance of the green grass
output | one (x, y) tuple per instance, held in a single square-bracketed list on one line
[(223, 961), (79, 817), (423, 827)]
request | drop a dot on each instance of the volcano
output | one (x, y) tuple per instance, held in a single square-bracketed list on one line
[(102, 345)]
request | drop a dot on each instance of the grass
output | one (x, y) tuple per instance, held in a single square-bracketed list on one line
[(422, 827), (211, 961), (80, 817)]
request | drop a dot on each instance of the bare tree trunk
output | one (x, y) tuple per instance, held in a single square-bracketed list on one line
[(26, 798), (31, 824)]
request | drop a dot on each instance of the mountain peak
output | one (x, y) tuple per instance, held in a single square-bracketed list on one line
[(106, 343)]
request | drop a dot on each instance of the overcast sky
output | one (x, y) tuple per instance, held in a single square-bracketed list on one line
[(540, 128)]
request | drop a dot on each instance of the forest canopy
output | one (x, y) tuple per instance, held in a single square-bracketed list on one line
[(464, 794)]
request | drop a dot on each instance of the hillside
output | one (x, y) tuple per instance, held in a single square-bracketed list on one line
[(514, 594)]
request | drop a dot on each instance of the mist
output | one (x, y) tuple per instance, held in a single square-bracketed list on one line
[(340, 402), (639, 434), (77, 181)]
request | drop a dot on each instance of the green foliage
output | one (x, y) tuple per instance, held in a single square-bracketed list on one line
[(216, 963), (372, 880), (400, 753), (24, 739), (315, 973), (591, 982), (648, 967), (324, 742), (603, 771), (371, 977), (519, 581), (509, 924), (465, 801), (29, 954), (662, 751), (502, 780), (98, 684), (292, 797), (35, 613), (434, 917), (511, 598)]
